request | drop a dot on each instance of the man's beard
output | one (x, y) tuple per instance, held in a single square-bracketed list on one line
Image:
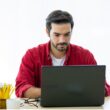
[(62, 48)]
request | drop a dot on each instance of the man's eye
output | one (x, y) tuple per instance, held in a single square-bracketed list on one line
[(67, 35), (57, 35)]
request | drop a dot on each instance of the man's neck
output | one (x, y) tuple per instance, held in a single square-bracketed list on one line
[(57, 53)]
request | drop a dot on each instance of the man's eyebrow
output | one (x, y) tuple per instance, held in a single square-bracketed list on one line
[(56, 33), (68, 33), (61, 33)]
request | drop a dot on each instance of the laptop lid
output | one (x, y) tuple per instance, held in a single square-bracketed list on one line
[(72, 85)]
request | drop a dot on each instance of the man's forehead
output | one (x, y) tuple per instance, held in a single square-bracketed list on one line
[(61, 28)]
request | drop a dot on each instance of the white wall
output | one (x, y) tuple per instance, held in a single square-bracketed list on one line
[(22, 26)]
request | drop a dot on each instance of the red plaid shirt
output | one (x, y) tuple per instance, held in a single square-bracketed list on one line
[(30, 69)]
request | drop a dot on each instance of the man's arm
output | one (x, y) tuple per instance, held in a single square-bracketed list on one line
[(91, 60), (107, 89), (32, 92), (27, 80)]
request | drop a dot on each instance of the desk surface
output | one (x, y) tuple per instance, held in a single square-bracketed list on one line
[(106, 106)]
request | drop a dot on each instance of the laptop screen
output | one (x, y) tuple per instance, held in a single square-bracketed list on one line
[(72, 85)]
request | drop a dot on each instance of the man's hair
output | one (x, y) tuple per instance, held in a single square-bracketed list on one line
[(58, 17)]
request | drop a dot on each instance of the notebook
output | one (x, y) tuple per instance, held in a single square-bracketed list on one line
[(66, 86)]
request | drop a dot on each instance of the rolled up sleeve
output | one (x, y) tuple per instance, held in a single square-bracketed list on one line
[(107, 89), (26, 75)]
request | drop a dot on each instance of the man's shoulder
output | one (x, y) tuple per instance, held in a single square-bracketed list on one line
[(39, 47), (82, 54), (35, 53), (78, 48), (37, 50)]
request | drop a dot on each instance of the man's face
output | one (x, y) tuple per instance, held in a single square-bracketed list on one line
[(60, 35)]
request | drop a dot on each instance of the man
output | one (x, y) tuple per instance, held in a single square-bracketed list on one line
[(58, 51)]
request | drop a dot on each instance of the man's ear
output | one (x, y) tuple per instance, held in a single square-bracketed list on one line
[(47, 32)]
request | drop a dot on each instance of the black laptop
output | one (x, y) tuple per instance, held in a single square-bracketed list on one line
[(66, 86)]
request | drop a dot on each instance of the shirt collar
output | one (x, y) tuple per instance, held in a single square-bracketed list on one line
[(48, 50), (68, 51)]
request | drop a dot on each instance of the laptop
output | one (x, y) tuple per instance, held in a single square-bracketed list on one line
[(67, 86)]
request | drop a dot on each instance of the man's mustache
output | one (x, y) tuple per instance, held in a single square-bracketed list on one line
[(63, 43)]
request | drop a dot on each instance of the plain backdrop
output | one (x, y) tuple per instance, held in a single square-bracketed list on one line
[(22, 26)]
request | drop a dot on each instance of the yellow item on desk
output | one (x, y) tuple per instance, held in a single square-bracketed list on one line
[(6, 91)]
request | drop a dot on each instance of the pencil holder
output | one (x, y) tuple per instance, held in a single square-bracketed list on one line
[(2, 103), (6, 91)]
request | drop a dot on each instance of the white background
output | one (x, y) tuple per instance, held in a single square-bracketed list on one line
[(22, 26)]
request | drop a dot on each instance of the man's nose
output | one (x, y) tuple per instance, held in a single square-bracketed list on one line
[(62, 38)]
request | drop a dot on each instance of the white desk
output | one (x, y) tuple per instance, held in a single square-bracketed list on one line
[(106, 106)]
